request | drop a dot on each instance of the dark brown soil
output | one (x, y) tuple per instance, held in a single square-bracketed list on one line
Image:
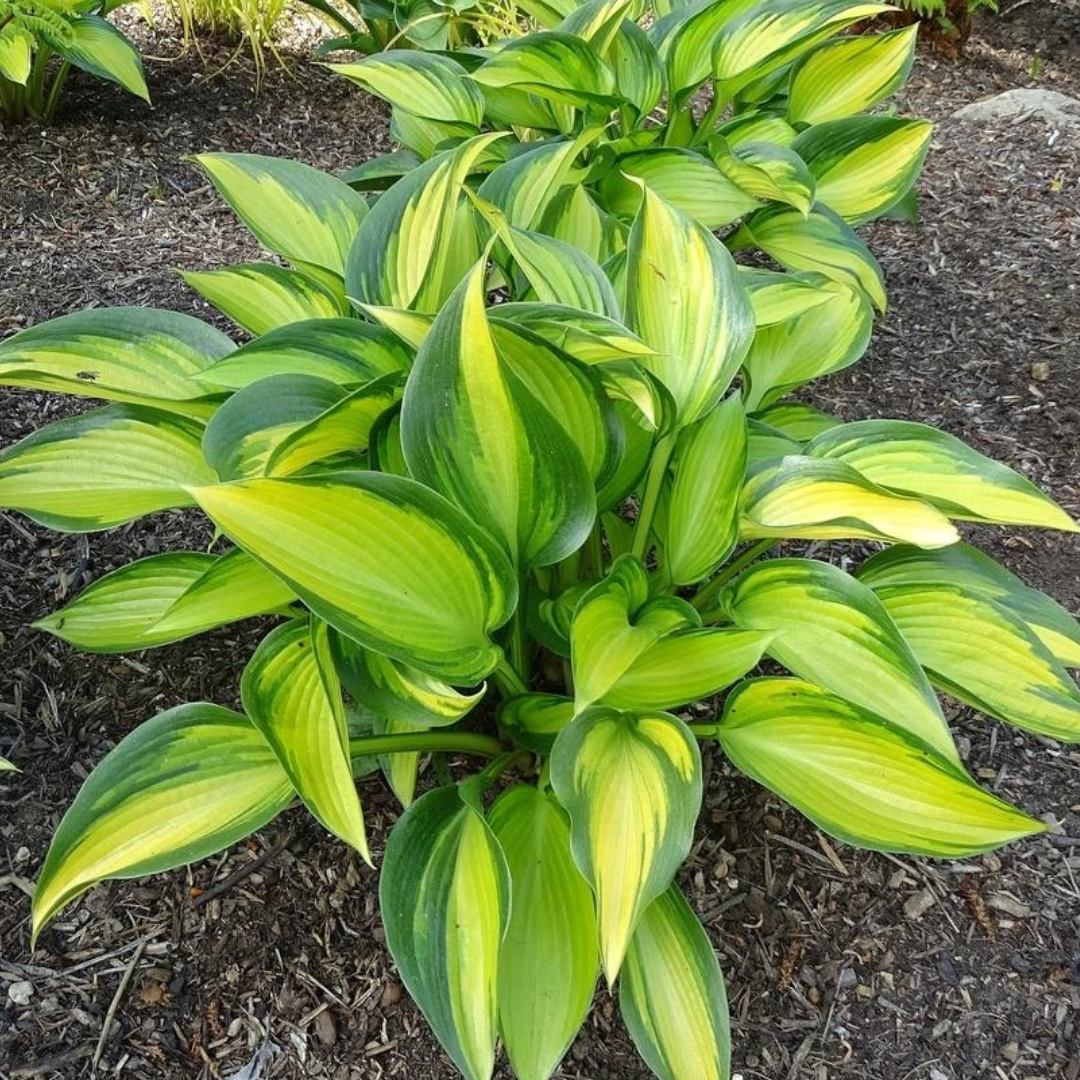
[(839, 963)]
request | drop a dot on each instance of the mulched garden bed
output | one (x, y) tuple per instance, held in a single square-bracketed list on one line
[(839, 963)]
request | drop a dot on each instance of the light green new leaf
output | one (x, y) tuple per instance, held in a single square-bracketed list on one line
[(292, 695), (263, 296), (140, 355), (615, 622), (822, 499), (444, 893), (345, 351), (684, 299), (632, 786), (834, 631), (703, 512), (672, 995), (16, 50), (472, 430), (102, 468), (977, 650), (534, 720), (431, 86), (777, 297), (920, 460), (381, 558), (549, 960), (295, 211), (850, 75), (859, 777), (7, 766), (187, 783), (971, 570), (98, 47)]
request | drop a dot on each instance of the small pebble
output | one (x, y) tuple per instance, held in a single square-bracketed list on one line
[(20, 993)]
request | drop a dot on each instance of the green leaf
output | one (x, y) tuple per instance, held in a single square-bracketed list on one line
[(796, 420), (102, 468), (295, 211), (259, 297), (703, 513), (930, 464), (576, 218), (291, 692), (140, 355), (534, 720), (683, 298), (16, 50), (974, 572), (777, 297), (835, 632), (98, 47), (860, 777), (7, 766), (549, 960), (189, 782), (381, 558), (672, 995), (766, 171), (472, 430), (584, 335), (444, 892), (638, 69), (632, 786)]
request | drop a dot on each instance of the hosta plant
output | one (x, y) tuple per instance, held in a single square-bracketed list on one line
[(41, 40), (503, 495)]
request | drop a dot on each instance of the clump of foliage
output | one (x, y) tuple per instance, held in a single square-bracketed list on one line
[(254, 23), (948, 22), (41, 40), (505, 459)]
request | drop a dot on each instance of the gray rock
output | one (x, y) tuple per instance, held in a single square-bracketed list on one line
[(1057, 109)]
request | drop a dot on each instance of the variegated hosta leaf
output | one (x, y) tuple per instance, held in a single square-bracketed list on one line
[(588, 337), (534, 720), (295, 211), (969, 569), (259, 297), (431, 86), (549, 960), (344, 351), (638, 69), (766, 170), (17, 47), (687, 666), (922, 461), (187, 783), (703, 513), (632, 786), (777, 297), (291, 692), (684, 299), (380, 172), (95, 45), (864, 164), (834, 631), (686, 180), (598, 21), (414, 247), (409, 327), (757, 125), (859, 777), (796, 420), (473, 430), (576, 218), (977, 650), (383, 559), (425, 138), (819, 499), (850, 75), (120, 354), (103, 467), (685, 37), (822, 242), (444, 893), (615, 622), (672, 995), (764, 445), (828, 336)]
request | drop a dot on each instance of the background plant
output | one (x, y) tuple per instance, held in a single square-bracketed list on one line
[(505, 457), (253, 23)]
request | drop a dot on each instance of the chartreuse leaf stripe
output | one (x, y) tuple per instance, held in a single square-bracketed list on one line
[(767, 171), (381, 558), (695, 315), (187, 783), (291, 692), (120, 354), (920, 460), (816, 499), (259, 297), (16, 49), (632, 786), (549, 959), (444, 892), (833, 630), (971, 570), (859, 777), (850, 75), (103, 467), (980, 652), (777, 297), (293, 210), (472, 430), (672, 995), (588, 337)]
